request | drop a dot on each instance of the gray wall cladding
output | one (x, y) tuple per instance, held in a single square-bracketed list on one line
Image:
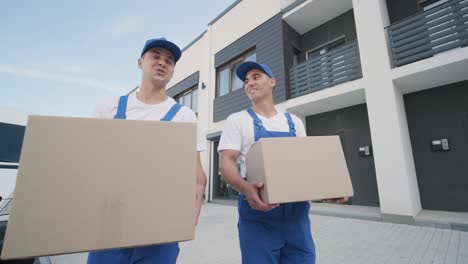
[(400, 9), (342, 25), (183, 85), (291, 46), (267, 39)]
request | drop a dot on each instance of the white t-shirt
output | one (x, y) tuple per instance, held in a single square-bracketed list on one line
[(137, 110), (238, 132)]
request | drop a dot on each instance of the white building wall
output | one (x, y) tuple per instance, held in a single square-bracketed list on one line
[(394, 164), (243, 18)]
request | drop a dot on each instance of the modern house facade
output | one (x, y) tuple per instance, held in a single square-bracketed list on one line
[(389, 77)]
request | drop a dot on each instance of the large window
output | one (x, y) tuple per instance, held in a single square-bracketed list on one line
[(189, 98), (226, 79)]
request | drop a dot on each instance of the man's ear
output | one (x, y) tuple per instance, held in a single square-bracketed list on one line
[(139, 63), (273, 82)]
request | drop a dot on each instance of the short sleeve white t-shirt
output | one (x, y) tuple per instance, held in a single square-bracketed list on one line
[(238, 132), (137, 110)]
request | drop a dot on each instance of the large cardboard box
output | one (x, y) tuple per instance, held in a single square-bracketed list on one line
[(299, 169), (87, 184)]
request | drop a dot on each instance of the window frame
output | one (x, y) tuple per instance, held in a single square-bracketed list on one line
[(231, 76), (181, 95), (428, 4), (325, 45)]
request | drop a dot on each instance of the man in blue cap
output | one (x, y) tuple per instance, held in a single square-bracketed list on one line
[(268, 233), (157, 61)]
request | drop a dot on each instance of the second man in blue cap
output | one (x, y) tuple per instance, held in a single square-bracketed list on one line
[(268, 233)]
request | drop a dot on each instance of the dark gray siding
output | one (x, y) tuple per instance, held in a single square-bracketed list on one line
[(183, 85), (352, 125), (400, 9), (267, 39), (291, 46), (342, 25), (436, 114)]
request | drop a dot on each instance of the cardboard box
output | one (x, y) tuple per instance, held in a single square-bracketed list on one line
[(87, 184), (299, 169)]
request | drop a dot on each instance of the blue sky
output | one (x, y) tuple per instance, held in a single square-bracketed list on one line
[(64, 57)]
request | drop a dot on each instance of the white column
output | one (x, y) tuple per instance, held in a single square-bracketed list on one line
[(394, 164)]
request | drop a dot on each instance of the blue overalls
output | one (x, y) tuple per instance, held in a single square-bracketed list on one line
[(160, 254), (281, 235)]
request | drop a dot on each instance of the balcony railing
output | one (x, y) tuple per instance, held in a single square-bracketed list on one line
[(340, 65), (427, 33)]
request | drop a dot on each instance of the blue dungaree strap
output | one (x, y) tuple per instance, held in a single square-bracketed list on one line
[(122, 108), (281, 235), (172, 112), (292, 127), (165, 253), (261, 132)]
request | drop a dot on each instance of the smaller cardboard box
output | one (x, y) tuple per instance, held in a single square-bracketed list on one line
[(299, 169)]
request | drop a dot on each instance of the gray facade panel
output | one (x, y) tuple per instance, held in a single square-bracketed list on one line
[(291, 47), (183, 85), (342, 25), (400, 9), (267, 40), (433, 114)]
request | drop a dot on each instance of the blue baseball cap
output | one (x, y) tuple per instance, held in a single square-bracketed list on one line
[(245, 67), (163, 43)]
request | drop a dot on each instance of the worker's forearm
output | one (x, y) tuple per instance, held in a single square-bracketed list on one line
[(199, 191), (200, 186), (201, 180), (231, 175)]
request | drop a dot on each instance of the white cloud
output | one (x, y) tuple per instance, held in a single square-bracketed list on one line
[(75, 69), (59, 77), (124, 26)]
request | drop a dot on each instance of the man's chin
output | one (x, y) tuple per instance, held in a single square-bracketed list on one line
[(160, 81), (254, 98)]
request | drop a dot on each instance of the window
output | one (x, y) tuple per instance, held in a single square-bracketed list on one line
[(236, 83), (326, 63), (189, 98), (428, 4), (325, 48), (226, 78)]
